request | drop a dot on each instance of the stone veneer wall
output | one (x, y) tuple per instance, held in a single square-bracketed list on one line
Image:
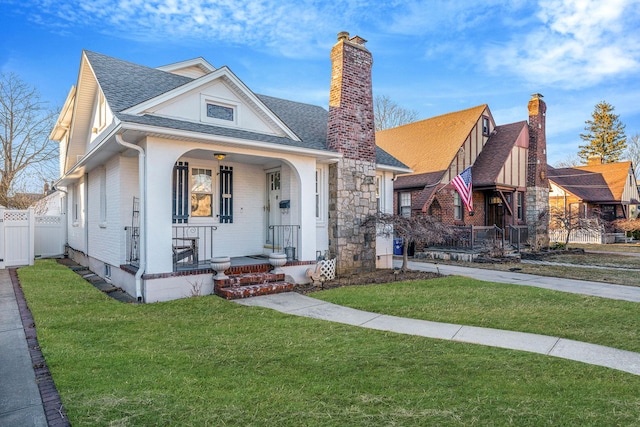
[(537, 208), (537, 196), (352, 198)]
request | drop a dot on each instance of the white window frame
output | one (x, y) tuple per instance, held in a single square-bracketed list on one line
[(103, 197), (404, 203), (75, 205), (213, 193), (204, 100), (320, 195), (380, 205), (457, 206)]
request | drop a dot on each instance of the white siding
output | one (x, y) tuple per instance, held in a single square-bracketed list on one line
[(129, 188), (76, 226), (105, 236)]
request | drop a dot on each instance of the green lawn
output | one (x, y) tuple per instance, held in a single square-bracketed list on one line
[(206, 361)]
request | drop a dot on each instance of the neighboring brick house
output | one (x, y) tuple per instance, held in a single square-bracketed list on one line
[(508, 164), (607, 190)]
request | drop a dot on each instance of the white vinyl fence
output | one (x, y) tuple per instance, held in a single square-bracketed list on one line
[(25, 236), (577, 236)]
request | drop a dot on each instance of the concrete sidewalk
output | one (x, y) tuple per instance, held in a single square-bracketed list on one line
[(299, 305), (596, 289), (20, 401)]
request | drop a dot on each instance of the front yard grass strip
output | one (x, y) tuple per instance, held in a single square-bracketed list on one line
[(466, 301), (206, 361)]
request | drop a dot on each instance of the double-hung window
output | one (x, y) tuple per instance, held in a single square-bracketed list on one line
[(457, 206), (201, 192), (405, 204)]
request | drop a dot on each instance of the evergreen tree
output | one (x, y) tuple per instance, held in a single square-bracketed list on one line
[(604, 135)]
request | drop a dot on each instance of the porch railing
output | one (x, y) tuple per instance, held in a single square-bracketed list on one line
[(518, 236), (192, 245), (490, 236), (286, 238), (132, 239), (460, 238)]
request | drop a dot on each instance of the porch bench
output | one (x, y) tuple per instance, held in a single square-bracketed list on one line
[(185, 247)]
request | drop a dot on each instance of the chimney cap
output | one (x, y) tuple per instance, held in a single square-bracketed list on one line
[(343, 35), (536, 96), (358, 40)]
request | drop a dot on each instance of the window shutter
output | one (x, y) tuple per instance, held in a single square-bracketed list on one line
[(180, 198), (226, 194)]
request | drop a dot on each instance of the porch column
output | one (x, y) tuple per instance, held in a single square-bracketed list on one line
[(160, 160), (306, 172)]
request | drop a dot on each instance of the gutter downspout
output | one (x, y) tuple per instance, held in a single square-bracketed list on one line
[(143, 217)]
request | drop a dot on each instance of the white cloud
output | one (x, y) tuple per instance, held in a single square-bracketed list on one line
[(290, 27), (579, 43)]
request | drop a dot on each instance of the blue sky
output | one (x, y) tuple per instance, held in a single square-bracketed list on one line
[(433, 57)]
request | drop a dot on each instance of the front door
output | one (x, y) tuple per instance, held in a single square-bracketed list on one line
[(273, 197), (495, 214)]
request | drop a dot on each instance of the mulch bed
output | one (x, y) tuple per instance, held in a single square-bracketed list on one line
[(368, 278)]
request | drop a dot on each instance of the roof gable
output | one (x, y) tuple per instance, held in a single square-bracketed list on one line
[(126, 84), (192, 68), (586, 185), (616, 175), (431, 145), (490, 163), (222, 89)]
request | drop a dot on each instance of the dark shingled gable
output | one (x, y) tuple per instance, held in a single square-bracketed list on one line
[(126, 84), (491, 159), (588, 186)]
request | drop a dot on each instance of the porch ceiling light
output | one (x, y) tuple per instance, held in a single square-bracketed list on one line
[(219, 156)]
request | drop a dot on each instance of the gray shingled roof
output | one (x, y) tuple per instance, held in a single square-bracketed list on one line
[(588, 186), (126, 84)]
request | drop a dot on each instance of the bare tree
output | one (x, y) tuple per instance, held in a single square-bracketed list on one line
[(388, 114), (571, 221), (633, 153), (570, 161), (25, 124), (415, 229)]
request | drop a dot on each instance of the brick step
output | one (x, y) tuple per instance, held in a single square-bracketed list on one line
[(253, 290), (248, 279)]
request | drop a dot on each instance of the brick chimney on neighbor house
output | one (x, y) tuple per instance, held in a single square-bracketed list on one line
[(352, 190), (537, 199)]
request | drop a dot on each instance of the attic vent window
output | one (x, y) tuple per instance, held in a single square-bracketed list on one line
[(220, 112)]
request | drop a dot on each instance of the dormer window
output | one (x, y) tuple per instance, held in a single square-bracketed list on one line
[(216, 111)]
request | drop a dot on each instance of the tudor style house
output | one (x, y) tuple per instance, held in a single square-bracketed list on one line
[(508, 169), (165, 169), (604, 190)]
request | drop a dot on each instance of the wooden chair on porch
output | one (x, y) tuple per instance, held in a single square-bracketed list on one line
[(185, 248)]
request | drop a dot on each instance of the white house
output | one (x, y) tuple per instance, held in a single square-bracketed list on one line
[(165, 168)]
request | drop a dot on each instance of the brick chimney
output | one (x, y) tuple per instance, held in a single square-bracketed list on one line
[(351, 128), (594, 159), (352, 192), (537, 182)]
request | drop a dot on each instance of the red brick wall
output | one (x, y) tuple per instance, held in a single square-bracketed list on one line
[(351, 125)]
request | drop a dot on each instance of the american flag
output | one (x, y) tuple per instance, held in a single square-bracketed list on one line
[(462, 183)]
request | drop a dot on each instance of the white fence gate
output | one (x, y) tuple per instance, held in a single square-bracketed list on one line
[(24, 236)]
